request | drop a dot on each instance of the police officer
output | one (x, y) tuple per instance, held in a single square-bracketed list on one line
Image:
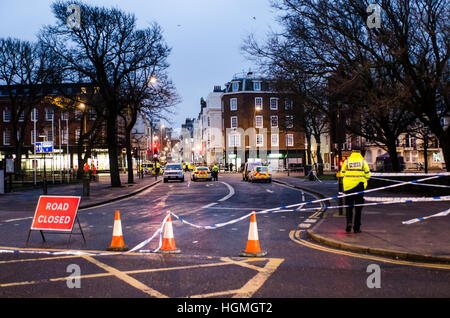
[(356, 173), (215, 171), (157, 168)]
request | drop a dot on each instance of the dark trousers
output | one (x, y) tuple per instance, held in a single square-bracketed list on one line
[(352, 200)]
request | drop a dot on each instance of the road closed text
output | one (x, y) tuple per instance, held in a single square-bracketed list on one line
[(57, 219), (55, 213)]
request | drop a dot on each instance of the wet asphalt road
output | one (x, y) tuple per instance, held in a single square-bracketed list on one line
[(209, 264)]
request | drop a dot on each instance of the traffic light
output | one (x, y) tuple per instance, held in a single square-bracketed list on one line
[(341, 163), (155, 148)]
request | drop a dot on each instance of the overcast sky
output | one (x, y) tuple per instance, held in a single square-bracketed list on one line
[(205, 36)]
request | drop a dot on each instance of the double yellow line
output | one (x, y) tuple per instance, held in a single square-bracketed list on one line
[(295, 236)]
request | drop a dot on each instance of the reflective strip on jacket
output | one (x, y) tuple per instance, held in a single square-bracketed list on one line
[(355, 170)]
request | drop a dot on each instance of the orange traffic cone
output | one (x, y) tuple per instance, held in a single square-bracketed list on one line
[(168, 243), (253, 249), (117, 243)]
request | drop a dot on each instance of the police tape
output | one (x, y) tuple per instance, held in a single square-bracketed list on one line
[(370, 190), (407, 174), (417, 184), (407, 199), (443, 213), (269, 211)]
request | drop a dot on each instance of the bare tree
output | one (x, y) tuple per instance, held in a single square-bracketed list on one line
[(104, 49), (26, 70)]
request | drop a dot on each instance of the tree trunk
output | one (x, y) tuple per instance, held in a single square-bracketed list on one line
[(393, 156), (111, 137), (425, 154), (319, 155), (446, 151), (129, 156)]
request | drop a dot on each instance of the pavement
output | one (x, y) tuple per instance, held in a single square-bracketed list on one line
[(383, 232), (21, 203)]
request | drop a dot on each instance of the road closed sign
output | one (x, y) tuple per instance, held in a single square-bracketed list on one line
[(55, 213)]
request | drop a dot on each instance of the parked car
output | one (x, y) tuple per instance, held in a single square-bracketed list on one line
[(173, 172), (260, 173), (200, 173), (247, 168)]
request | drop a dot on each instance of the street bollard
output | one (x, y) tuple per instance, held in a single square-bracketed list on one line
[(44, 187), (86, 186)]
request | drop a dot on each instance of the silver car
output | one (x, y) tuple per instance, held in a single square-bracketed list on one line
[(173, 171)]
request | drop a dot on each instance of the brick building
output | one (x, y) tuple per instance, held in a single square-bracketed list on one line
[(261, 124)]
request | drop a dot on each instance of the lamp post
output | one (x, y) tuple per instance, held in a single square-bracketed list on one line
[(44, 179)]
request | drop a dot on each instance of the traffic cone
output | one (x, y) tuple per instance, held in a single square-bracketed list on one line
[(168, 243), (117, 243), (253, 249)]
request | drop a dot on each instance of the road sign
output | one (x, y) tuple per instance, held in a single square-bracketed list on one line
[(44, 147), (55, 213)]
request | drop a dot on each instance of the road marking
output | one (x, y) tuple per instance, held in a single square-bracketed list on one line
[(295, 237), (209, 205), (14, 220), (270, 191), (230, 188), (126, 278)]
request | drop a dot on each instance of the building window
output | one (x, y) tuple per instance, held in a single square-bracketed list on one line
[(234, 122), (256, 86), (273, 103), (92, 114), (288, 104), (83, 90), (235, 86), (6, 138), (290, 140), (233, 104), (64, 115), (49, 112), (289, 121), (259, 122), (77, 134), (274, 121), (34, 115), (21, 116), (49, 135), (6, 115), (274, 139), (258, 103), (234, 140), (259, 140)]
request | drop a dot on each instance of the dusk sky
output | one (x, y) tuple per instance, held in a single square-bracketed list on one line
[(205, 37)]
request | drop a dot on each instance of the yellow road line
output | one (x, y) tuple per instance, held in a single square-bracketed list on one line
[(295, 236), (126, 278)]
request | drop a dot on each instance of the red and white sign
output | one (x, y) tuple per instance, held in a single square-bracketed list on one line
[(55, 213)]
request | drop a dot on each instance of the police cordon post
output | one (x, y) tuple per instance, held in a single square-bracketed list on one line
[(283, 209)]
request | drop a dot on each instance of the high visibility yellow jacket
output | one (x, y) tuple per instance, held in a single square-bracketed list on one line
[(355, 170)]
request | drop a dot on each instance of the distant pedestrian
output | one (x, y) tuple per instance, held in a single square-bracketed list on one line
[(356, 173)]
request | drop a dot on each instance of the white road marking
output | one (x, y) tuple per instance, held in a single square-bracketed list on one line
[(304, 225), (270, 191), (230, 188), (209, 205)]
